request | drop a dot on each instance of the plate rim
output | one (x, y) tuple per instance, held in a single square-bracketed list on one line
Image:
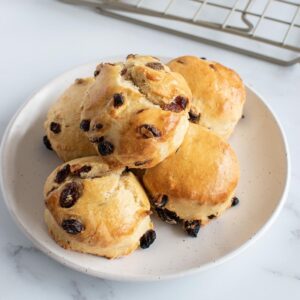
[(140, 278)]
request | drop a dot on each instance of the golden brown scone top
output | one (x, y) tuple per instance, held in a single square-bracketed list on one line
[(218, 93), (136, 112), (205, 169), (95, 205), (62, 123)]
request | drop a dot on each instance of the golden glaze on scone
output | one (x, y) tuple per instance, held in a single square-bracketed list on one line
[(218, 93), (93, 209), (62, 124), (136, 113), (198, 181)]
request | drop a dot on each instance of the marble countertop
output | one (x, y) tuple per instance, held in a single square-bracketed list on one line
[(42, 38)]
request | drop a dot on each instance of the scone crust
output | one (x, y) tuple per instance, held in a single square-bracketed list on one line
[(204, 170), (64, 240), (112, 208), (131, 107), (218, 92), (69, 142)]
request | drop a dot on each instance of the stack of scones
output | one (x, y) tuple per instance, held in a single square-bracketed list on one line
[(139, 137)]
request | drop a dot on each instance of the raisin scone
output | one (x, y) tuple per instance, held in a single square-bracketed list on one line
[(94, 209), (63, 134), (136, 113), (218, 93), (195, 184)]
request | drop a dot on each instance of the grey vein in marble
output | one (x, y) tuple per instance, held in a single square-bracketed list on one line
[(278, 273), (16, 254), (291, 207), (77, 294), (296, 233), (99, 287)]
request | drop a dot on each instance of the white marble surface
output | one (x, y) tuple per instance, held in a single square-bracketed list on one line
[(41, 39)]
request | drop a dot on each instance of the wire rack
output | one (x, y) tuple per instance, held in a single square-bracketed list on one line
[(265, 29)]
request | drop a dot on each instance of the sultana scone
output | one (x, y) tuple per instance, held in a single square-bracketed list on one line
[(218, 93), (136, 113), (91, 208), (63, 134), (195, 184)]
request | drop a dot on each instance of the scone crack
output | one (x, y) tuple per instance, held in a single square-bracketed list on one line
[(127, 83), (133, 191), (178, 104), (148, 131), (69, 173), (194, 115), (141, 163), (155, 65)]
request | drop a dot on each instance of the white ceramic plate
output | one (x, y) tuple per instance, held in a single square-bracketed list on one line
[(260, 146)]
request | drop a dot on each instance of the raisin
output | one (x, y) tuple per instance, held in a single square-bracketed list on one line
[(51, 190), (148, 131), (181, 101), (140, 163), (55, 127), (72, 226), (235, 201), (125, 171), (140, 111), (85, 125), (79, 81), (155, 65), (47, 142), (98, 126), (130, 56), (204, 58), (168, 216), (160, 201), (62, 174), (147, 239), (83, 169), (194, 117), (177, 105), (96, 139), (213, 67), (98, 69), (192, 227), (105, 147), (243, 116), (118, 99), (70, 194), (124, 71), (212, 217), (180, 61)]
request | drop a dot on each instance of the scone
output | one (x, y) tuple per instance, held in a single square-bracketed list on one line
[(195, 184), (218, 93), (136, 113), (93, 209), (63, 134)]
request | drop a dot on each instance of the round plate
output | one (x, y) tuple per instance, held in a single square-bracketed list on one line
[(261, 149)]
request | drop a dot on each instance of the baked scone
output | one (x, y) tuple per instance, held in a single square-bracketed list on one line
[(218, 93), (136, 113), (93, 209), (195, 184), (63, 134)]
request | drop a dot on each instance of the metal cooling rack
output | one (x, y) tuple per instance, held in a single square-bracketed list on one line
[(265, 29)]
